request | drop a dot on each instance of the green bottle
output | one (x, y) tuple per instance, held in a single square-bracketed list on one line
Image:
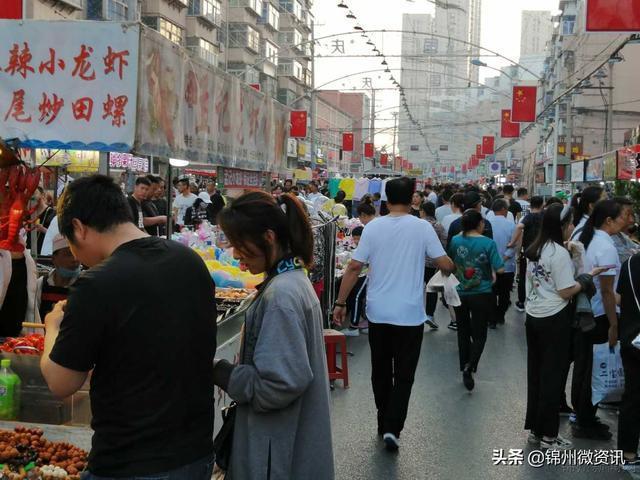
[(9, 392)]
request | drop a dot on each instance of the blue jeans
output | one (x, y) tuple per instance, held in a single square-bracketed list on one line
[(200, 470)]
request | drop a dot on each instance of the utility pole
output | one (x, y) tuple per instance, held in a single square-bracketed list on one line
[(312, 109), (609, 145), (556, 137), (373, 123), (395, 127)]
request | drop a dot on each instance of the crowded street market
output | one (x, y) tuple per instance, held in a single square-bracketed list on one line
[(297, 240)]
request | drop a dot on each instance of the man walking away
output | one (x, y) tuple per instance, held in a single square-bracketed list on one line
[(396, 247), (523, 200), (514, 207), (502, 234), (472, 201), (525, 233), (445, 209)]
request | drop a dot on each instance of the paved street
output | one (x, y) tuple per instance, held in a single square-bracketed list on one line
[(450, 434)]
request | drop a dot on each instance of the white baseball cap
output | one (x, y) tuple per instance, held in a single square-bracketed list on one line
[(204, 196)]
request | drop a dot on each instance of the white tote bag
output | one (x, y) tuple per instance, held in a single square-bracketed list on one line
[(607, 376), (447, 285)]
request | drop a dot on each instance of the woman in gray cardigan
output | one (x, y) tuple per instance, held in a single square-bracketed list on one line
[(282, 426)]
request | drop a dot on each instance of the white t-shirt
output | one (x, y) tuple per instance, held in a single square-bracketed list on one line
[(47, 244), (361, 189), (442, 211), (526, 206), (182, 203), (602, 252), (490, 215), (578, 230), (396, 249), (502, 233), (433, 198), (383, 190), (553, 272), (449, 219)]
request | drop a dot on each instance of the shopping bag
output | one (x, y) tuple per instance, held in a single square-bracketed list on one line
[(447, 285), (607, 376)]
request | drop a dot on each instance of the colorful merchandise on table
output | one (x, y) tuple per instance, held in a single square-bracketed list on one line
[(29, 345)]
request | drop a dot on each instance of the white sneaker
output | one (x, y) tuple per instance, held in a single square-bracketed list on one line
[(557, 443), (364, 331), (391, 442), (351, 332)]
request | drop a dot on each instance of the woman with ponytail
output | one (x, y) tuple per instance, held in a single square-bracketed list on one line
[(583, 207), (605, 220), (282, 426)]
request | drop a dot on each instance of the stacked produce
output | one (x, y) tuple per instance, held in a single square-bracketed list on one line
[(29, 345), (26, 454)]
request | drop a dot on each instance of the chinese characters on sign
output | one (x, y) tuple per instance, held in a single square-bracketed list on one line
[(128, 162), (234, 178), (68, 84)]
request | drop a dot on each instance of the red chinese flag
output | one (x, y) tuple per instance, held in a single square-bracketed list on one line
[(488, 145), (11, 10), (613, 16), (443, 169), (480, 157), (464, 168), (347, 142), (524, 104), (509, 129), (474, 161), (255, 86), (478, 150), (368, 150), (452, 169), (298, 120), (384, 159)]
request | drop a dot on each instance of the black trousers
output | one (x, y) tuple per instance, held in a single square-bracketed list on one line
[(629, 418), (548, 341), (395, 352), (357, 300), (522, 278), (472, 317), (502, 291), (583, 343), (432, 297)]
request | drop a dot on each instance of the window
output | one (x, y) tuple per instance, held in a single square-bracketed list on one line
[(270, 52), (435, 80), (291, 68), (241, 35), (254, 5), (291, 38), (206, 8), (170, 31), (292, 6), (270, 15), (117, 10), (207, 51), (430, 45), (568, 24)]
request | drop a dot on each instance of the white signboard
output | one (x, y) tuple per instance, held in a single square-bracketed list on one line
[(69, 84), (128, 162)]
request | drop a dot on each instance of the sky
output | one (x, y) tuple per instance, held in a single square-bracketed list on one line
[(500, 32)]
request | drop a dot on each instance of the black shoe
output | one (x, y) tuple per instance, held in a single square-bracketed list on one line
[(467, 379), (598, 425), (520, 306), (391, 442), (591, 433), (453, 326)]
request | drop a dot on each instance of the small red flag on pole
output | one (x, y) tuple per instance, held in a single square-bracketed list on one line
[(524, 104), (347, 142), (509, 129), (368, 150), (488, 145), (298, 119)]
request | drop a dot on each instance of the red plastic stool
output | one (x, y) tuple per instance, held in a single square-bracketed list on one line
[(332, 338)]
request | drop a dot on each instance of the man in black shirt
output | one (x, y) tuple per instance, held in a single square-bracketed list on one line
[(143, 212), (472, 200), (526, 232), (143, 318)]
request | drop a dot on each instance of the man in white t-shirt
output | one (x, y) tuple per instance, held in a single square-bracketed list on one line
[(430, 195), (445, 209), (183, 200), (523, 200), (396, 247), (457, 206), (502, 233)]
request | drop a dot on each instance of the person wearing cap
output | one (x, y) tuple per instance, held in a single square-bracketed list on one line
[(472, 201), (199, 212), (54, 286)]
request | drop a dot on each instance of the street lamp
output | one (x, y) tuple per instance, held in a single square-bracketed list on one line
[(479, 63)]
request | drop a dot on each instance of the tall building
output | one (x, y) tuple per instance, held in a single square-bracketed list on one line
[(537, 29)]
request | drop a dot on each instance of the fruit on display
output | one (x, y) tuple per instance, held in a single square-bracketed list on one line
[(25, 453), (29, 345)]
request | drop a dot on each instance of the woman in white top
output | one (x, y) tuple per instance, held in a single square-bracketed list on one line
[(584, 206), (550, 286), (606, 219)]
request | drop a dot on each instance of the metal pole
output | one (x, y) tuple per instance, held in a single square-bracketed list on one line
[(373, 123), (226, 41), (169, 186), (556, 135), (610, 110), (395, 126), (313, 98)]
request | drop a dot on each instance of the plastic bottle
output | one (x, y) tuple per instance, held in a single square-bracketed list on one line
[(9, 392)]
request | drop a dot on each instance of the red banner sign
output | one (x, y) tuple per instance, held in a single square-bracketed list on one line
[(11, 10), (384, 159), (613, 16), (478, 150), (524, 104), (488, 145), (368, 150), (298, 124), (509, 129), (347, 142)]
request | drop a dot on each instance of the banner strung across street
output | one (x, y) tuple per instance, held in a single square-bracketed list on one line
[(198, 113), (69, 85)]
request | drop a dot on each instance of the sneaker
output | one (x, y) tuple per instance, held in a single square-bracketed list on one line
[(520, 307), (467, 379), (566, 411), (557, 443), (591, 433), (391, 442), (432, 323), (351, 332), (453, 326), (598, 425), (364, 331), (573, 418), (631, 465), (533, 439)]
